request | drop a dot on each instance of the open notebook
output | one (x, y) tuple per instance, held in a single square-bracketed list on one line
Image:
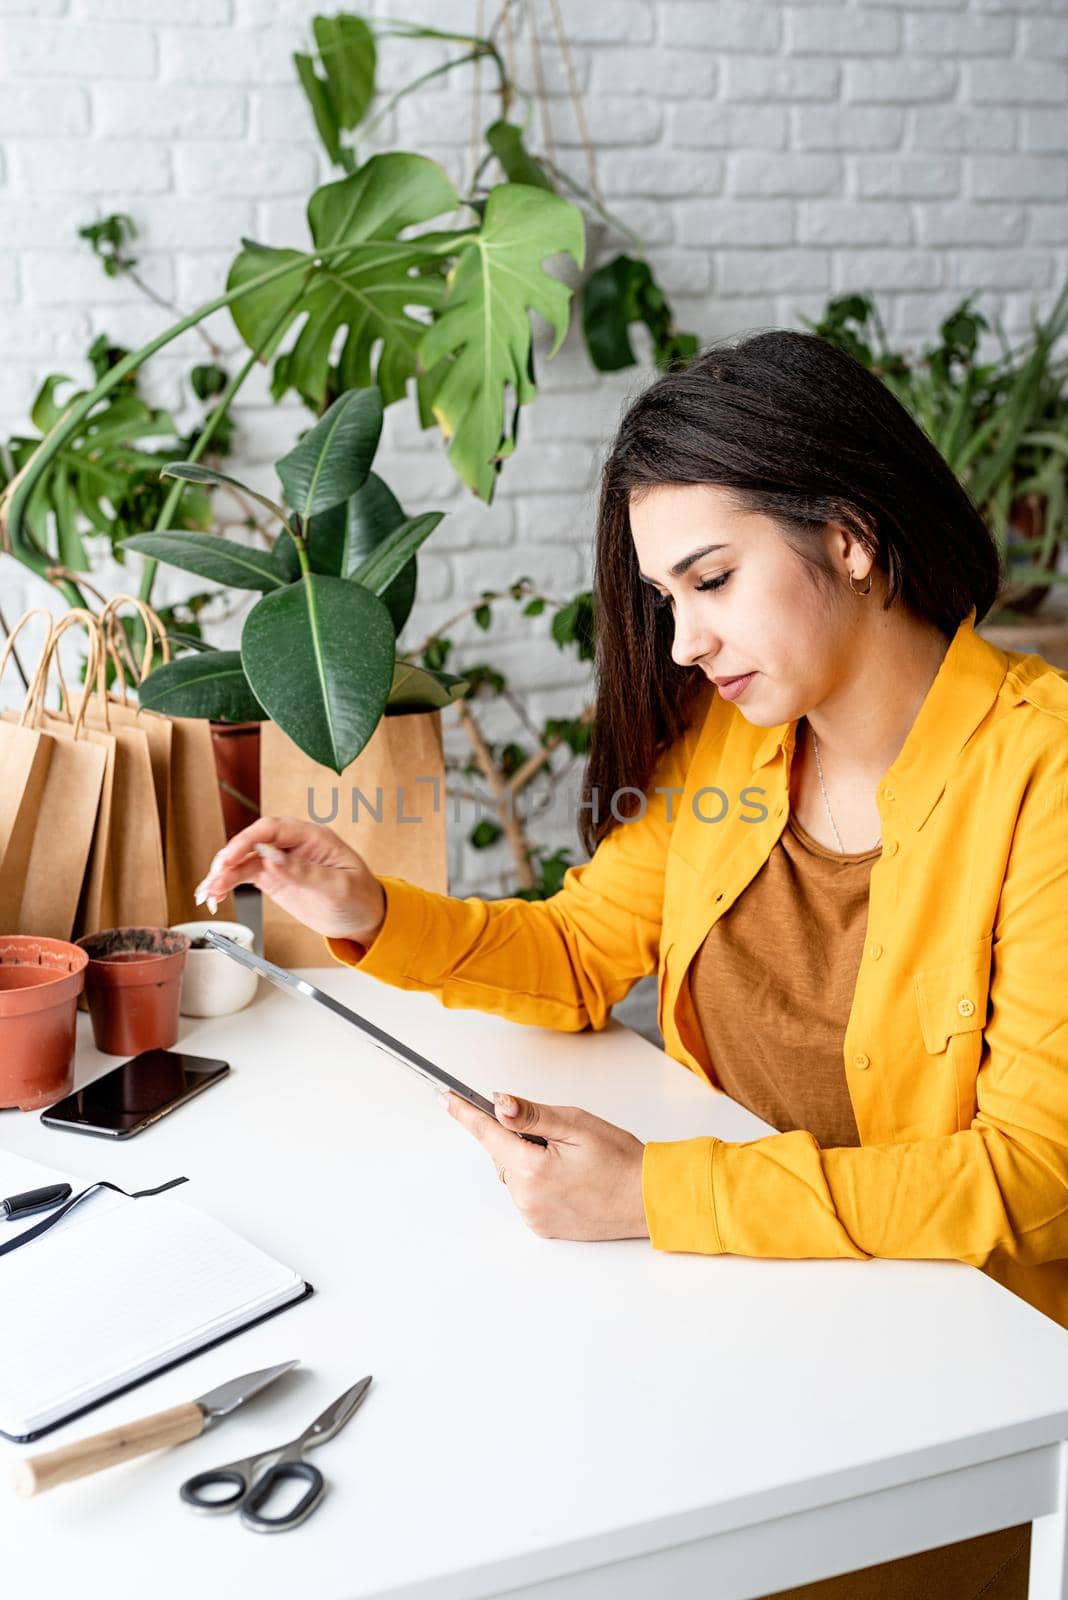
[(118, 1291)]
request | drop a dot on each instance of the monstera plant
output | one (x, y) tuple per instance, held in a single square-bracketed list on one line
[(318, 649), (448, 308)]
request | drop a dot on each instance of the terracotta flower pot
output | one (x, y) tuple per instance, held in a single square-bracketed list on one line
[(133, 983), (237, 767), (40, 981)]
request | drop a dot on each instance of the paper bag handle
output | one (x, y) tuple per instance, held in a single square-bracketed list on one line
[(33, 689), (95, 667), (153, 625)]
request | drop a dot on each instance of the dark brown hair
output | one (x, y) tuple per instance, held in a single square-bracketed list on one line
[(799, 431)]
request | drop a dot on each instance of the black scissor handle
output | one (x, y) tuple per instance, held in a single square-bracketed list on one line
[(192, 1489), (252, 1514)]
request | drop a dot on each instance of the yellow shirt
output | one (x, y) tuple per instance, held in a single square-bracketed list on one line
[(956, 1047)]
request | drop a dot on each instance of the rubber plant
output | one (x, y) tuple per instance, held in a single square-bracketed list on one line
[(318, 648)]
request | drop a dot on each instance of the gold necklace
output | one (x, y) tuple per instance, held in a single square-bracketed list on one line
[(823, 786)]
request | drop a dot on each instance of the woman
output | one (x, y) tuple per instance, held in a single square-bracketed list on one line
[(849, 865)]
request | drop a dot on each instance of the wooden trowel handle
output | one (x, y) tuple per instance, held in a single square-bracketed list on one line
[(108, 1449)]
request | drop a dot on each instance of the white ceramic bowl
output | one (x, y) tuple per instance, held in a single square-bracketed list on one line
[(214, 984)]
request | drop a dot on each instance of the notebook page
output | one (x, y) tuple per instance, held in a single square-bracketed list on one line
[(88, 1310)]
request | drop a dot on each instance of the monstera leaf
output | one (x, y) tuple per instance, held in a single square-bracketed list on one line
[(478, 341), (365, 291), (340, 99), (484, 326)]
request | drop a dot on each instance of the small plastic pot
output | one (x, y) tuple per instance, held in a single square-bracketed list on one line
[(133, 984), (40, 981), (215, 984)]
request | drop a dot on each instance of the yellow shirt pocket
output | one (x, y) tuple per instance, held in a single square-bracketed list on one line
[(951, 1000)]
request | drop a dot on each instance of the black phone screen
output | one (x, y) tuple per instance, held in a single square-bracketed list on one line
[(138, 1092)]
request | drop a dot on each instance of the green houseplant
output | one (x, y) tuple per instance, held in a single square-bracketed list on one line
[(1001, 424), (318, 648), (360, 282), (338, 77)]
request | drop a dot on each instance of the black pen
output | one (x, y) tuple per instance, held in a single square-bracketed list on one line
[(24, 1205)]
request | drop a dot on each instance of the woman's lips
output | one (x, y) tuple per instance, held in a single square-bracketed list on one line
[(731, 688)]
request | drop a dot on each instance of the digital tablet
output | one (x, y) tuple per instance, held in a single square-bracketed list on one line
[(385, 1041)]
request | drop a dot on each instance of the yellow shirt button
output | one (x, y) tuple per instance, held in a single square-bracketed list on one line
[(888, 793), (965, 1006), (890, 847), (861, 1060), (875, 951)]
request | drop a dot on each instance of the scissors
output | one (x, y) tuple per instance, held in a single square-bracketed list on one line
[(284, 1464)]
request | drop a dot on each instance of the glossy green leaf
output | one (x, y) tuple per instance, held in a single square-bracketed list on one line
[(188, 641), (319, 655), (286, 559), (483, 332), (341, 539), (418, 689), (210, 684), (392, 555), (221, 560), (333, 459), (193, 472)]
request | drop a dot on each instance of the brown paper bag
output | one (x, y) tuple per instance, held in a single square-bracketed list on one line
[(25, 754), (96, 903), (389, 805), (133, 882), (183, 767), (155, 727), (195, 831), (54, 865)]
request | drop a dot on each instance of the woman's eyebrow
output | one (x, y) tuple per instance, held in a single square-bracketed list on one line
[(687, 561)]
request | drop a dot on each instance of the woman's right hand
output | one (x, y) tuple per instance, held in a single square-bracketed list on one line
[(305, 869)]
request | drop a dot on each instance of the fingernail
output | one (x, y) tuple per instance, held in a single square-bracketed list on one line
[(200, 894), (506, 1103), (213, 904), (443, 1099), (267, 852)]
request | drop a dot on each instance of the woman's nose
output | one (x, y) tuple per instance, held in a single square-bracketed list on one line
[(692, 642)]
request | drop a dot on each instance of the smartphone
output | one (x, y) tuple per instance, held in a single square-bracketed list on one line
[(139, 1092)]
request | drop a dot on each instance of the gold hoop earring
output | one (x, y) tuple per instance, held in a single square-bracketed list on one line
[(854, 588)]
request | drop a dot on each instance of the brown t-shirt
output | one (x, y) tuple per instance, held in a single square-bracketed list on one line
[(772, 986)]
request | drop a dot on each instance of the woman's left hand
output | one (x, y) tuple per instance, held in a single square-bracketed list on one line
[(585, 1184)]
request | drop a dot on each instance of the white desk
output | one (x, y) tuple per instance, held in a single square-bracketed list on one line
[(552, 1419)]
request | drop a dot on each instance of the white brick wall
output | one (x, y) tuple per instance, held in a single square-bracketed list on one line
[(770, 154)]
